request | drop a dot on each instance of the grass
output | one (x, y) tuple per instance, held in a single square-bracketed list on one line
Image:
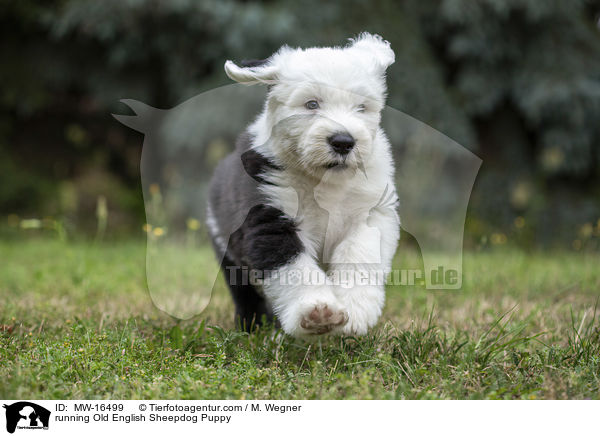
[(76, 321)]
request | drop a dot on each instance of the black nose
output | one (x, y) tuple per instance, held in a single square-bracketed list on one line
[(342, 143)]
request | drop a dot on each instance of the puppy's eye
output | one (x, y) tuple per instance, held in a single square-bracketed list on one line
[(312, 105), (361, 108)]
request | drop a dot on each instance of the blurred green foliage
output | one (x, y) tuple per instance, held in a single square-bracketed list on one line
[(515, 81)]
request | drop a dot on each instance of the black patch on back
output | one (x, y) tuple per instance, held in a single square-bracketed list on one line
[(256, 164), (249, 63)]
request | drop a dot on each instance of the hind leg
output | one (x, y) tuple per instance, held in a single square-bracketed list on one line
[(250, 306)]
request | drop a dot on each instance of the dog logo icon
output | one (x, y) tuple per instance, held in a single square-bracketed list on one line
[(26, 415)]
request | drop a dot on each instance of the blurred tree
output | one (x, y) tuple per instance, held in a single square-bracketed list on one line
[(516, 81), (527, 75)]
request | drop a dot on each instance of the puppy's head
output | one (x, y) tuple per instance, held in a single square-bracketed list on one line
[(324, 104)]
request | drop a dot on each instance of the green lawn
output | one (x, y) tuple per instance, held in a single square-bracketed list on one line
[(76, 321)]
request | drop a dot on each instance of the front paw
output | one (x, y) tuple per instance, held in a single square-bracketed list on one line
[(364, 309), (357, 326), (323, 319), (318, 314)]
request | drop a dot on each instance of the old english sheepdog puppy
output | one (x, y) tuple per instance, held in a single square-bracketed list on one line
[(311, 182)]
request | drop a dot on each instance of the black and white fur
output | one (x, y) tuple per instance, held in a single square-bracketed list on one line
[(313, 186)]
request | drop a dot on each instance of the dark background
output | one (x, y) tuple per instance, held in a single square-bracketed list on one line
[(516, 81)]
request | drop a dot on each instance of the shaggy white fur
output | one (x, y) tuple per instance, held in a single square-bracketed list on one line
[(344, 205)]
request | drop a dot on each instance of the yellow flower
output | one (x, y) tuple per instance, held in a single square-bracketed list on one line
[(147, 227), (154, 189), (552, 158), (586, 230), (519, 222), (158, 231), (193, 224), (521, 194), (498, 238)]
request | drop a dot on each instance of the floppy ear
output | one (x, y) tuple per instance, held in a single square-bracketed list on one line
[(255, 72), (376, 46)]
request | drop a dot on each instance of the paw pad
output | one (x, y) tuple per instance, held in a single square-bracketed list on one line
[(322, 319)]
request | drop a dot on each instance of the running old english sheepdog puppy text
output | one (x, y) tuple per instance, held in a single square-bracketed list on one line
[(312, 181)]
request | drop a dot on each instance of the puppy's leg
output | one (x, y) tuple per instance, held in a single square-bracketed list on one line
[(303, 298), (365, 257), (250, 306), (294, 285)]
